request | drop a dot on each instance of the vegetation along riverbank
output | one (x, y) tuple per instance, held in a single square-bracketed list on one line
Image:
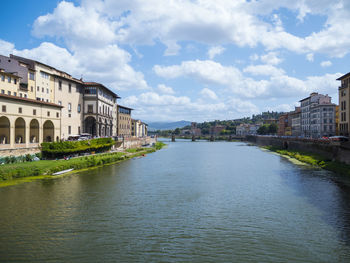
[(15, 173), (313, 159)]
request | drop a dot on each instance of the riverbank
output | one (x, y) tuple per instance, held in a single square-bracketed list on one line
[(313, 159), (11, 174)]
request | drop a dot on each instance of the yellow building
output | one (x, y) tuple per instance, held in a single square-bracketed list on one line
[(25, 123), (344, 100)]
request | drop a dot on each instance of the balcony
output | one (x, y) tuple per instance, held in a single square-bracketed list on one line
[(23, 86)]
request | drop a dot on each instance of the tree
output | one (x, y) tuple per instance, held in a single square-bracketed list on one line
[(177, 131), (272, 128)]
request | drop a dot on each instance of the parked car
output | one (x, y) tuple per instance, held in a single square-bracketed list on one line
[(339, 138)]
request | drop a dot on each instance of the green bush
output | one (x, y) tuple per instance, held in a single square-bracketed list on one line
[(60, 149)]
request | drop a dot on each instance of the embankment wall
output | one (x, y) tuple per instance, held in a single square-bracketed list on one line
[(335, 151)]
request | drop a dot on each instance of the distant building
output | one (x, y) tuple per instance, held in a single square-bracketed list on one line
[(295, 118), (283, 124), (216, 129), (317, 116), (195, 130), (247, 129)]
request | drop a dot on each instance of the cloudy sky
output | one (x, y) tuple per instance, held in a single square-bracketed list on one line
[(190, 60)]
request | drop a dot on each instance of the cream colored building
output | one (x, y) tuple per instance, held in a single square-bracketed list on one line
[(25, 123), (69, 93)]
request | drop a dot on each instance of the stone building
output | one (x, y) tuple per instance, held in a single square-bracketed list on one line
[(295, 118), (317, 116), (100, 105), (124, 121)]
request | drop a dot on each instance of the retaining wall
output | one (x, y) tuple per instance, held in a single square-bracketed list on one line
[(335, 151)]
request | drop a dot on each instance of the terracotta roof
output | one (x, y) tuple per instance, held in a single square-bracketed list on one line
[(29, 100)]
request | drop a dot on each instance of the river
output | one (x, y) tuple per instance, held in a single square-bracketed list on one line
[(189, 202)]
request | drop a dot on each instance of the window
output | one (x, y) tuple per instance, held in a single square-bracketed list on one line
[(19, 110), (34, 112), (8, 92), (31, 88), (69, 115), (79, 108), (37, 88), (48, 114), (21, 95), (47, 100), (69, 129), (42, 90), (31, 75), (90, 108), (69, 106), (90, 90), (57, 115), (47, 91), (60, 85), (69, 88), (3, 108), (59, 102), (37, 98), (15, 93), (2, 91), (25, 95), (9, 79), (78, 129), (15, 81), (2, 77), (44, 75)]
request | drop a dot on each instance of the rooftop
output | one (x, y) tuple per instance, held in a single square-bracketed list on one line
[(344, 76), (29, 100)]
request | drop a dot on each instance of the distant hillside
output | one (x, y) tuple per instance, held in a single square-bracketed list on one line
[(153, 126)]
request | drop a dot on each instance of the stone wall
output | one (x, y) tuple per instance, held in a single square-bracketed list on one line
[(136, 142), (331, 150), (19, 151)]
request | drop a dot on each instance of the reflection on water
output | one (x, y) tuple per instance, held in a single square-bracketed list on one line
[(193, 201)]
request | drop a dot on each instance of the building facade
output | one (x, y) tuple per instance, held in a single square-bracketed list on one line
[(100, 105), (25, 123), (124, 121), (307, 107), (295, 119), (344, 100), (323, 120)]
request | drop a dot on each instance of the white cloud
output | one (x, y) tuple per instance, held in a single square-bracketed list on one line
[(108, 65), (326, 63), (165, 107), (310, 57), (208, 93), (138, 22), (6, 47), (235, 82), (264, 70), (77, 25), (214, 51), (165, 89), (271, 58)]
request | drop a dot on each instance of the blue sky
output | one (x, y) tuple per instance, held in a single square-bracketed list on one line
[(189, 60)]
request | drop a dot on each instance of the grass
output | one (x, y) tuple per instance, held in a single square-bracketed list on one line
[(314, 160), (29, 171)]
